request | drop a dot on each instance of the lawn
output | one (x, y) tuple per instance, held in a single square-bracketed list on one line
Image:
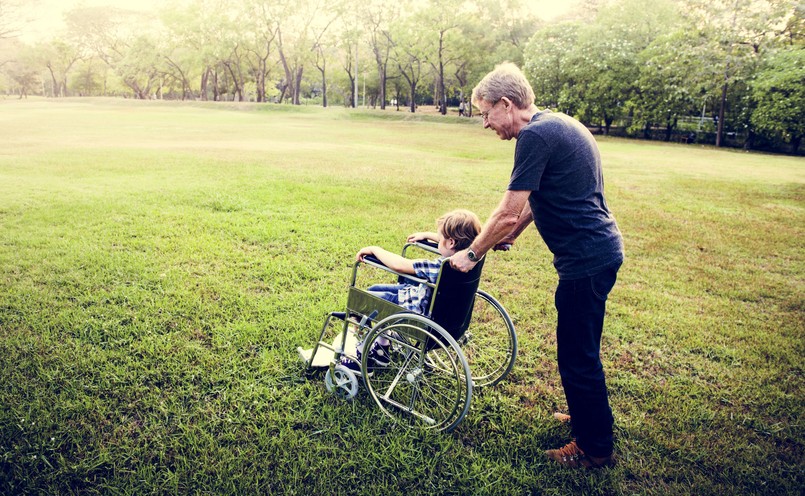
[(161, 262)]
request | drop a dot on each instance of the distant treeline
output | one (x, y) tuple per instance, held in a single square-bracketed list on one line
[(726, 72)]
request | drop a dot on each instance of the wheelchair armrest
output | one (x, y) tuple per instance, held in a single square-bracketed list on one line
[(373, 261)]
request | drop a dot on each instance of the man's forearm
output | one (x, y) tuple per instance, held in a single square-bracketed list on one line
[(503, 221), (525, 220)]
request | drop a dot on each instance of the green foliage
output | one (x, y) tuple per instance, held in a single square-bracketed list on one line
[(779, 93), (160, 263), (647, 68), (549, 63), (668, 86)]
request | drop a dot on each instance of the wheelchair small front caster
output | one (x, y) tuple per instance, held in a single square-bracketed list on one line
[(342, 382)]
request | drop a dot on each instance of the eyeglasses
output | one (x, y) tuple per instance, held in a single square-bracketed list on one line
[(485, 115)]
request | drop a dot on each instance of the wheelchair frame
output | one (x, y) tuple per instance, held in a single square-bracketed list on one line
[(428, 381)]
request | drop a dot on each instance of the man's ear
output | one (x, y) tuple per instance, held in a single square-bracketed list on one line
[(507, 103)]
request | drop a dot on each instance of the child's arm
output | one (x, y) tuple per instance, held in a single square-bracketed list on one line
[(419, 236), (391, 260)]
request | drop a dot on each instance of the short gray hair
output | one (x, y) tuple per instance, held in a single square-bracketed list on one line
[(505, 80)]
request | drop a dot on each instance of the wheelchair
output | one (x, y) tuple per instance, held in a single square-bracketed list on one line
[(466, 341)]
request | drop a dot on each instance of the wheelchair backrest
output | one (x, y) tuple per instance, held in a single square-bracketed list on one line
[(454, 298)]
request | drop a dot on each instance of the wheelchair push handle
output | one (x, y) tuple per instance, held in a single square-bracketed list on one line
[(423, 244), (427, 243)]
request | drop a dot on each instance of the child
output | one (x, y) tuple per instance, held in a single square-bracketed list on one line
[(456, 231)]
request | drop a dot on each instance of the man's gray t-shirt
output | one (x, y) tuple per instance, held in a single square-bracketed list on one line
[(557, 159)]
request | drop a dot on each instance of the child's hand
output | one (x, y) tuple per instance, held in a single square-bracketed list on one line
[(367, 250), (420, 236)]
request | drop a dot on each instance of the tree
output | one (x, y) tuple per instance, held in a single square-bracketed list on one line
[(262, 29), (121, 39), (779, 93), (23, 70), (138, 66), (740, 32), (350, 46), (180, 65), (549, 61), (201, 28), (380, 15), (410, 53), (10, 18), (322, 46), (442, 21), (59, 57), (303, 23), (668, 86), (606, 59), (506, 26), (89, 77)]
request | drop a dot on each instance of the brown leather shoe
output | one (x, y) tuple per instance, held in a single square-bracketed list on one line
[(561, 417), (571, 455)]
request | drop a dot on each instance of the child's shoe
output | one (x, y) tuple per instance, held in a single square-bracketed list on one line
[(351, 364), (379, 354)]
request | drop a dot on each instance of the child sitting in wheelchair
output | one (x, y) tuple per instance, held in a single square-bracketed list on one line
[(456, 230)]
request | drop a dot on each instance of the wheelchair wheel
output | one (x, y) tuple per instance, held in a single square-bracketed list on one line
[(406, 386), (490, 342), (342, 382)]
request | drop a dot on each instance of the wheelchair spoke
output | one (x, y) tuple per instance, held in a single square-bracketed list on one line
[(414, 388)]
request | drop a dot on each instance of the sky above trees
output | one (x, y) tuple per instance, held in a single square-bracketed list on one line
[(46, 17)]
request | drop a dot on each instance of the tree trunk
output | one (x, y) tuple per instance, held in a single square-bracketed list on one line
[(722, 111), (442, 92), (55, 83), (297, 86), (323, 69), (750, 139), (288, 76), (236, 82), (261, 81), (722, 108), (382, 70), (670, 124), (205, 76)]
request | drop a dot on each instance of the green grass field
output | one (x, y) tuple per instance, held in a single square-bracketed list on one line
[(160, 263)]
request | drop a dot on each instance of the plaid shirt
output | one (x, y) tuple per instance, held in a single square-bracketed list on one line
[(416, 297)]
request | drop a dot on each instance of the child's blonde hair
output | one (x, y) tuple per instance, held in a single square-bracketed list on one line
[(462, 226)]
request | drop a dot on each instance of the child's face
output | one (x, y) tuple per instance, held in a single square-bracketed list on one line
[(447, 246)]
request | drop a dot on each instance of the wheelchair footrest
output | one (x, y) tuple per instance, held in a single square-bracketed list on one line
[(324, 356)]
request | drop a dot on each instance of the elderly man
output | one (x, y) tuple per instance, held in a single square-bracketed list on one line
[(557, 183)]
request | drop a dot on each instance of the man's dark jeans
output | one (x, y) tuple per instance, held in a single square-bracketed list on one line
[(580, 304)]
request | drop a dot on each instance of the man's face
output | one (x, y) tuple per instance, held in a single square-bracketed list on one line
[(496, 117)]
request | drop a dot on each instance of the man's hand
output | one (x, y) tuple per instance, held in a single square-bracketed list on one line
[(461, 262)]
